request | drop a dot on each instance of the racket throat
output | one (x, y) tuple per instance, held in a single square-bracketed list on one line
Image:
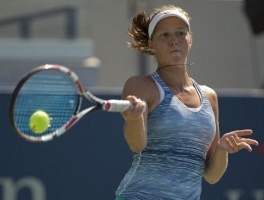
[(77, 117)]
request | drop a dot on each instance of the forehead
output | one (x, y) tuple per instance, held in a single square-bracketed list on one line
[(171, 22)]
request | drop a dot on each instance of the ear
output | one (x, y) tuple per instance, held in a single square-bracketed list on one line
[(191, 41), (151, 46)]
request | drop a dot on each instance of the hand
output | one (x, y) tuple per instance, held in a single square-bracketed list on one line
[(232, 142), (136, 110)]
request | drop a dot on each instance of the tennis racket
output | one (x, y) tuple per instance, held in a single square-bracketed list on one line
[(58, 91)]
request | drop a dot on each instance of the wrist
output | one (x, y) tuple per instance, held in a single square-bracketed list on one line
[(220, 149)]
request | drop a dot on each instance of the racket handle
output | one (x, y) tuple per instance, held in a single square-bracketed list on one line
[(116, 105)]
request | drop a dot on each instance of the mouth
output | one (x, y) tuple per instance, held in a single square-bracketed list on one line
[(175, 51)]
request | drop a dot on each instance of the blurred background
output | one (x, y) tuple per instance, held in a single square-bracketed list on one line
[(90, 37), (226, 53)]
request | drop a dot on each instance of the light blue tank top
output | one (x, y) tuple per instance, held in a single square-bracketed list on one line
[(171, 167)]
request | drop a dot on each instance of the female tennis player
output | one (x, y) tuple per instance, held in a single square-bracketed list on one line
[(176, 142)]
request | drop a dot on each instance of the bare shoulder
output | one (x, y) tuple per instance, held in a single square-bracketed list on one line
[(210, 94), (139, 86), (138, 82)]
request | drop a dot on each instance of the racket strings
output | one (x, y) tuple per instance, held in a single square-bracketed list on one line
[(51, 91)]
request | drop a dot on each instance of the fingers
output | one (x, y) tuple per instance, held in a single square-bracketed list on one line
[(244, 132), (234, 146), (235, 143), (134, 112)]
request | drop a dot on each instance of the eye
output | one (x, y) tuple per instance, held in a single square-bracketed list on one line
[(165, 34), (181, 34)]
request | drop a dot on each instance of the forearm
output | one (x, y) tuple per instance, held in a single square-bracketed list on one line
[(135, 134), (216, 166)]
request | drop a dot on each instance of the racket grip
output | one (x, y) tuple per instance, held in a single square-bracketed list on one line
[(116, 105)]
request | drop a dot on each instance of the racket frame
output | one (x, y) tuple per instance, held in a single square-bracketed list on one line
[(100, 104)]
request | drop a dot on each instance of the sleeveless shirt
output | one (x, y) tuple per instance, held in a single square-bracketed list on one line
[(171, 166)]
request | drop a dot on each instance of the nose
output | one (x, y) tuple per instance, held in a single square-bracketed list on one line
[(174, 41)]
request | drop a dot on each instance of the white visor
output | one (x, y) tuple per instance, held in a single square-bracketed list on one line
[(165, 14)]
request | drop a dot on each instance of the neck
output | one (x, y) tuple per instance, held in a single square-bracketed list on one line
[(176, 66), (175, 76)]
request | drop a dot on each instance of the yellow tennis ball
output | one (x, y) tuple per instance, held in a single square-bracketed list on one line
[(39, 122)]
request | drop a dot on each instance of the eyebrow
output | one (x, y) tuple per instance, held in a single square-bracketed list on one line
[(181, 27), (178, 28)]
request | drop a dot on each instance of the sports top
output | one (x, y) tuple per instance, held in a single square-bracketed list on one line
[(171, 166)]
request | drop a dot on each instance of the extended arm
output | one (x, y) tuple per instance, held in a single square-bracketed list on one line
[(217, 156), (135, 128)]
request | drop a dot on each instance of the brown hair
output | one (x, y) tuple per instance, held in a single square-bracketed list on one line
[(139, 28)]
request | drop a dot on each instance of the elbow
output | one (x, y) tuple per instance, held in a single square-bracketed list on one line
[(212, 179), (136, 145), (137, 148)]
